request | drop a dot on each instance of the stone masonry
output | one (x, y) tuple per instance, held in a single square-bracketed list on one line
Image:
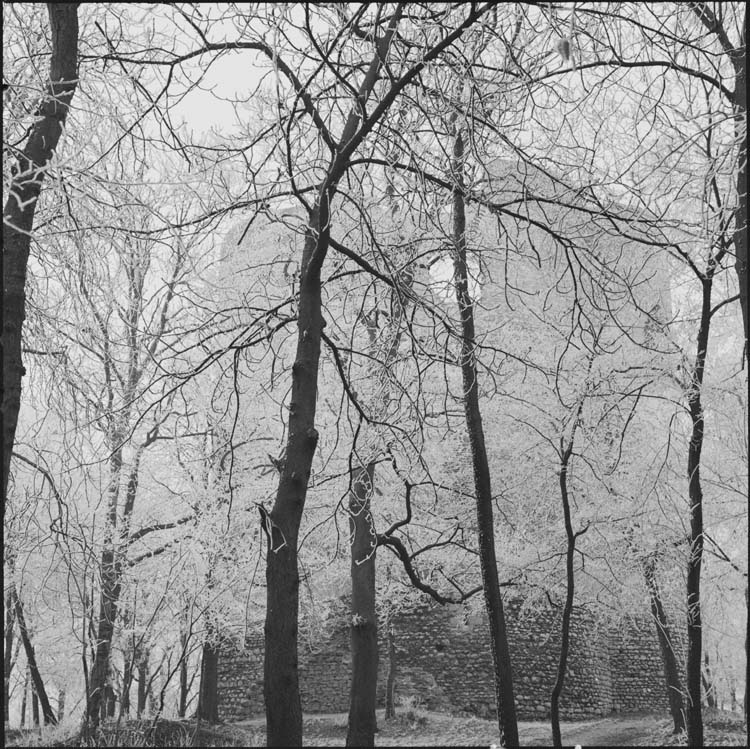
[(443, 661)]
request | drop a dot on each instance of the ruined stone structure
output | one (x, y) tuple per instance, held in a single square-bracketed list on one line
[(443, 660)]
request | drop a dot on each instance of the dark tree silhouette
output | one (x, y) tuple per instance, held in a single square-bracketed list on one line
[(29, 171)]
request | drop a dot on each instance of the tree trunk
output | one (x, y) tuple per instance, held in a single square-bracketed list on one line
[(182, 700), (739, 60), (506, 708), (709, 685), (24, 697), (34, 708), (740, 214), (60, 704), (281, 525), (108, 605), (185, 632), (208, 705), (390, 685), (127, 680), (740, 249), (28, 173), (109, 703), (364, 540), (571, 536), (36, 678), (695, 495), (143, 681), (8, 655), (669, 660), (364, 622)]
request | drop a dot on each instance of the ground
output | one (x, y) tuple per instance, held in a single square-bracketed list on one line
[(412, 728)]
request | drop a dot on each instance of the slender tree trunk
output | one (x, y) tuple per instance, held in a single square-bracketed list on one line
[(109, 703), (127, 680), (36, 678), (108, 605), (740, 214), (669, 659), (28, 173), (143, 681), (8, 655), (364, 622), (709, 685), (384, 345), (24, 697), (60, 704), (208, 706), (390, 685), (185, 631), (738, 57), (281, 678), (571, 536), (695, 494), (182, 700), (34, 707), (740, 249), (506, 708), (110, 566)]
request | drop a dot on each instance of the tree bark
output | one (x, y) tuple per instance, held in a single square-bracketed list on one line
[(108, 605), (669, 659), (506, 708), (281, 679), (36, 677), (740, 249), (182, 700), (208, 706), (24, 697), (364, 539), (109, 702), (28, 173), (127, 681), (60, 704), (8, 655), (390, 685), (695, 496), (739, 61), (364, 622), (34, 707), (113, 553), (738, 57), (143, 681), (571, 536), (708, 682)]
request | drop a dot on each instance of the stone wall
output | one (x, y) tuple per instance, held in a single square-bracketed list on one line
[(633, 650), (444, 662)]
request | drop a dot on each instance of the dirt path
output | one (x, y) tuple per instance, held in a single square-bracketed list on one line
[(631, 730), (442, 730), (612, 732)]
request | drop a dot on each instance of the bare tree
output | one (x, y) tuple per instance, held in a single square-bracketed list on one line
[(565, 452), (39, 692), (717, 25), (283, 709), (29, 171), (506, 708)]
